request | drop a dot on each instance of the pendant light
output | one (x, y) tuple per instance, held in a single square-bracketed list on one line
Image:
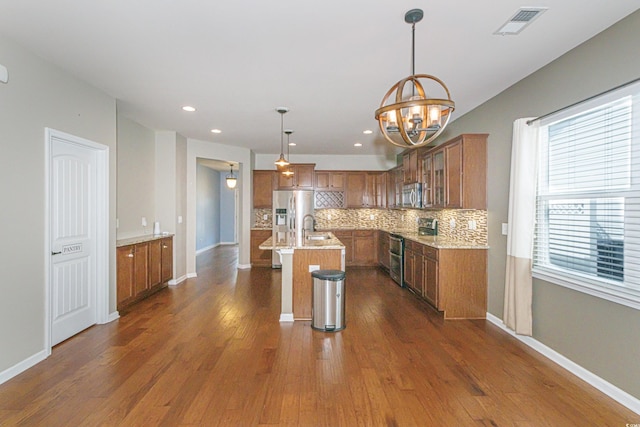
[(407, 117), (282, 163), (231, 178), (288, 172)]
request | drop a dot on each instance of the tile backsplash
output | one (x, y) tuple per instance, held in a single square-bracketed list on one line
[(453, 224)]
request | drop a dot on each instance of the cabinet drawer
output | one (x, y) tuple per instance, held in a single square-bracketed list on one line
[(363, 233), (430, 252), (412, 246)]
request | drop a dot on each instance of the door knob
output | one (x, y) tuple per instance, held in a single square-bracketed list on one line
[(55, 253)]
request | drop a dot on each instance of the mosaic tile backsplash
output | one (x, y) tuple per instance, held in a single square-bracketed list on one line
[(453, 224)]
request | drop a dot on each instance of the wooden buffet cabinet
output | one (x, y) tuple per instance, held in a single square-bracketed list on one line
[(143, 268), (453, 280)]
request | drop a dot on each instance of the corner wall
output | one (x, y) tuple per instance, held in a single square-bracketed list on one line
[(599, 335)]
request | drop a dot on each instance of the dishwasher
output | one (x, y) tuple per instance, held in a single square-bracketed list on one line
[(396, 258)]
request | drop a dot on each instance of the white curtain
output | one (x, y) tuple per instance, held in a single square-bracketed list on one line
[(522, 207)]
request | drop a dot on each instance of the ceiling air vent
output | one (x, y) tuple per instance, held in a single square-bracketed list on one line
[(523, 17)]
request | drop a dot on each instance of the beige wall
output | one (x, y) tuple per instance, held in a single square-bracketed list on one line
[(38, 95), (136, 179), (599, 335)]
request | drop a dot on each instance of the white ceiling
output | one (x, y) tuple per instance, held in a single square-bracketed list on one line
[(330, 62)]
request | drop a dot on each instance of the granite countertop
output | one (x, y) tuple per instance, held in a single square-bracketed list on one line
[(141, 239), (436, 241), (331, 243)]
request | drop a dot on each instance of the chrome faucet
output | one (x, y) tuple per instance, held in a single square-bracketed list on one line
[(313, 224)]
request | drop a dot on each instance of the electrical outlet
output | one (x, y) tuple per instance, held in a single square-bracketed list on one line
[(313, 268), (452, 223), (144, 221), (265, 217), (329, 217), (472, 224), (372, 217)]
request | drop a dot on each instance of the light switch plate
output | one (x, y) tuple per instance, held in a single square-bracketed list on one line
[(179, 219), (505, 228), (144, 221), (313, 267)]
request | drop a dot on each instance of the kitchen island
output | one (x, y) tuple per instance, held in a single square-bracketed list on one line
[(318, 251)]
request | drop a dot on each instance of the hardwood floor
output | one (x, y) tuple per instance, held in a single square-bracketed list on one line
[(212, 352)]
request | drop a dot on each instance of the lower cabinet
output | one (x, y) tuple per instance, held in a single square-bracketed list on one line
[(383, 249), (259, 257), (360, 247), (452, 280), (142, 269)]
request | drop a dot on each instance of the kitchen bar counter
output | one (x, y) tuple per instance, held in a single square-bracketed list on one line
[(297, 263), (141, 239)]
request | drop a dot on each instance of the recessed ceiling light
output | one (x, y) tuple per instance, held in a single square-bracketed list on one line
[(216, 131), (189, 108), (357, 144), (292, 144), (367, 132)]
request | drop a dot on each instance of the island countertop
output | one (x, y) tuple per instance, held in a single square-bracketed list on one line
[(331, 243)]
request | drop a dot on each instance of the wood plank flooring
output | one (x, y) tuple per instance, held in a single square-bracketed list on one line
[(211, 352)]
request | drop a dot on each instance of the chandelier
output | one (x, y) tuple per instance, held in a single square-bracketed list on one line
[(407, 117), (231, 178), (288, 169), (282, 163)]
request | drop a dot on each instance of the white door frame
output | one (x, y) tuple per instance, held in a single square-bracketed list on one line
[(102, 228)]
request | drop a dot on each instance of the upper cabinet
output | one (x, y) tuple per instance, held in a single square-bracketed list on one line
[(410, 167), (302, 178), (329, 181), (455, 173), (366, 189), (264, 182)]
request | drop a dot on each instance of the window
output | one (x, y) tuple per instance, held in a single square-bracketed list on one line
[(587, 233)]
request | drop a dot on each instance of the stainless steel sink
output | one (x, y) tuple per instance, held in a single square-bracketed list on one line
[(319, 236)]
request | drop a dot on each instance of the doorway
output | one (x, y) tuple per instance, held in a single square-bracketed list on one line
[(76, 236)]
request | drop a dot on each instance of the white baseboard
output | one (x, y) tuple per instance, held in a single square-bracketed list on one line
[(286, 317), (201, 250), (174, 282), (244, 266), (604, 386), (22, 366), (112, 316), (228, 243)]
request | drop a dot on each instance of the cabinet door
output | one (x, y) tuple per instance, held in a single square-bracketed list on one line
[(336, 181), (381, 190), (124, 260), (303, 176), (286, 182), (322, 181), (410, 167), (453, 169), (356, 186), (430, 284), (167, 259), (140, 268), (427, 180), (364, 247), (260, 257), (391, 188), (438, 179), (155, 262), (383, 249), (408, 268), (263, 186)]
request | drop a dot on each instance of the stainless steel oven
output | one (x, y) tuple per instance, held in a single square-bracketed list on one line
[(396, 258)]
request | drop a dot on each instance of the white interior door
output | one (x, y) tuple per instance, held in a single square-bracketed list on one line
[(73, 182)]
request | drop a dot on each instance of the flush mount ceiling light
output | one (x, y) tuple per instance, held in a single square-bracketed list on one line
[(407, 117), (189, 108), (282, 163), (216, 131), (288, 169), (231, 178)]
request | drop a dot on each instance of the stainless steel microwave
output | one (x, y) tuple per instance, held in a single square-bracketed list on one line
[(412, 195)]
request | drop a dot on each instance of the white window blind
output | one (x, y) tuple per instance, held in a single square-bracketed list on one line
[(588, 199)]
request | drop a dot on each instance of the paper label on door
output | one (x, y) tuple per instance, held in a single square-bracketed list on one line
[(72, 249)]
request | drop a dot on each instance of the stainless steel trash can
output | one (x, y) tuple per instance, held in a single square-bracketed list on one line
[(327, 300)]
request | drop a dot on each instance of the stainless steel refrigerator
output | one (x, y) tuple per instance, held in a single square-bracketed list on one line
[(292, 211)]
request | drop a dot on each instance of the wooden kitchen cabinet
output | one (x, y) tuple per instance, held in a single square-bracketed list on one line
[(302, 178), (430, 279), (142, 269), (413, 266), (364, 248), (329, 181), (391, 187), (264, 182), (410, 167), (427, 180), (459, 173), (356, 188), (259, 257), (383, 249), (366, 189)]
